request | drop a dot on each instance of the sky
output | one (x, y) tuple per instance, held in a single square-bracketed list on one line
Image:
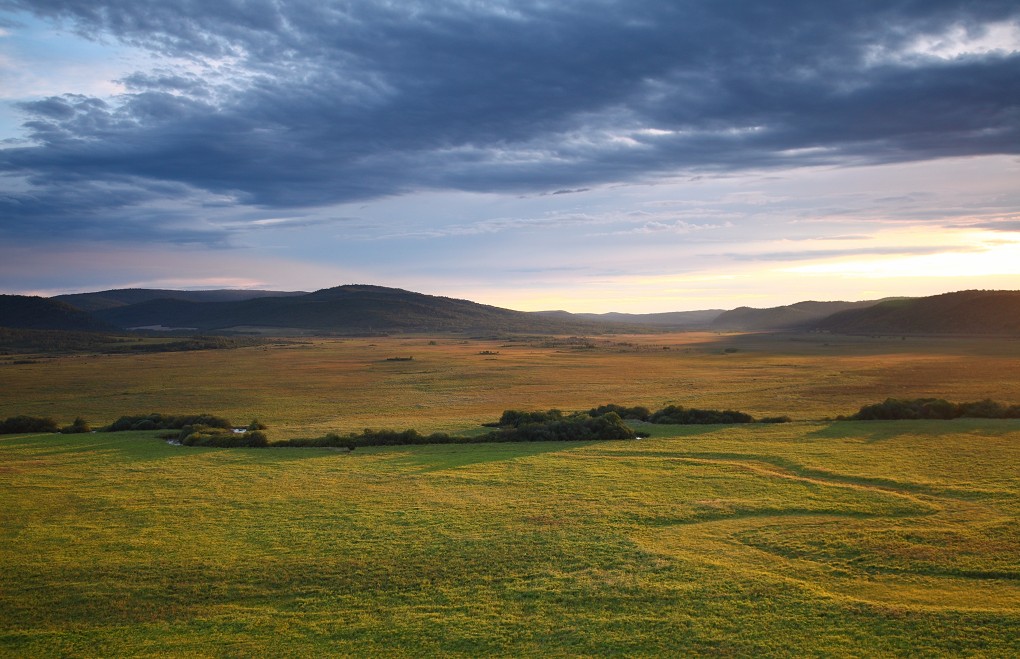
[(587, 155)]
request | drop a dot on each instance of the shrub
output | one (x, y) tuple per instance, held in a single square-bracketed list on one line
[(25, 424), (919, 408), (982, 409), (157, 421), (207, 436), (516, 418), (935, 408), (79, 425), (638, 413), (578, 427), (516, 426), (675, 414)]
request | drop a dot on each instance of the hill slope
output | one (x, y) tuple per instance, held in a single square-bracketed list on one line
[(664, 321), (963, 312), (120, 297), (351, 308), (785, 317), (31, 312)]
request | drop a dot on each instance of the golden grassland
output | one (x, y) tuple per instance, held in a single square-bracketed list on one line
[(323, 385), (815, 538)]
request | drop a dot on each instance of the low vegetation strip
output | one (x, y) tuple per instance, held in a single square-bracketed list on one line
[(549, 426), (935, 408), (600, 423), (195, 429), (605, 422), (57, 342)]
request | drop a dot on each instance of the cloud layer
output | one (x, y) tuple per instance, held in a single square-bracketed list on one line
[(301, 103)]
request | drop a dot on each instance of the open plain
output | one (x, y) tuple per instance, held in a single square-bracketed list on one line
[(812, 538)]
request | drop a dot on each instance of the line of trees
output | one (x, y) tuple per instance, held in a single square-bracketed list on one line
[(551, 426), (678, 415), (935, 408), (195, 429), (600, 423)]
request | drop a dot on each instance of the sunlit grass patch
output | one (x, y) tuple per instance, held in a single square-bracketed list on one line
[(810, 538)]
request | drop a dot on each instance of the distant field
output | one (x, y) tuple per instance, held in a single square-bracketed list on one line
[(306, 388), (807, 539)]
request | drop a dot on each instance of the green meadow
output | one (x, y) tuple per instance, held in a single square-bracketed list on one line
[(815, 538)]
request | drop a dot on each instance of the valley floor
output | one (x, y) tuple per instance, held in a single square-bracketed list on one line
[(806, 539)]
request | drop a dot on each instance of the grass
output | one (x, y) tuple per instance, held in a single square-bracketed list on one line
[(868, 539), (347, 385), (816, 538)]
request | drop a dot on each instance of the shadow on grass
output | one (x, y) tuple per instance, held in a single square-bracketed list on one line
[(145, 445), (138, 445), (437, 457), (671, 431), (878, 431)]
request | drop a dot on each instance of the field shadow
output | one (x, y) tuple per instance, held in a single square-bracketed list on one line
[(42, 445), (733, 343), (679, 431), (878, 431), (439, 457)]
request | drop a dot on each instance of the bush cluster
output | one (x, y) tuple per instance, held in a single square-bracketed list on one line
[(935, 408), (157, 421), (517, 418), (207, 436), (370, 437), (25, 424), (675, 414), (637, 413), (550, 426), (79, 425), (554, 427)]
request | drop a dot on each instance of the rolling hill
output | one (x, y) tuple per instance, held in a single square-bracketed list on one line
[(121, 297), (670, 320), (963, 312), (32, 312), (345, 309), (359, 309), (786, 317)]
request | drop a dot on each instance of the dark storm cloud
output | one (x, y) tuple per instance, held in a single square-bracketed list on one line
[(306, 103)]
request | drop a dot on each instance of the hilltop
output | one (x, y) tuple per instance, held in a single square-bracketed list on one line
[(963, 312), (669, 320), (362, 308), (342, 309), (121, 297), (40, 313), (785, 317)]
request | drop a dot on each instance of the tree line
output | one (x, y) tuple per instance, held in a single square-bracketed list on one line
[(605, 422)]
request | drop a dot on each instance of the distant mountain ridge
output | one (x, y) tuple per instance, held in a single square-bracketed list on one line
[(32, 312), (790, 316), (362, 308), (349, 308), (962, 312), (121, 297), (676, 320)]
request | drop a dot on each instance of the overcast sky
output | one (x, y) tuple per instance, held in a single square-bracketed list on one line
[(590, 155)]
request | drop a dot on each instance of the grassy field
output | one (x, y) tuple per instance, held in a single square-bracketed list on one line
[(816, 538), (810, 539), (303, 389)]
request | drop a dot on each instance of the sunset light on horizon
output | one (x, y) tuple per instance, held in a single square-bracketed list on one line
[(591, 157)]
